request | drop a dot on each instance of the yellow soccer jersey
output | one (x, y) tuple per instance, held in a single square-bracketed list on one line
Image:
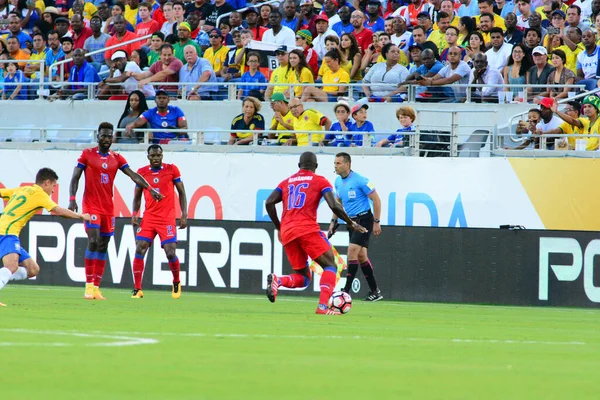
[(216, 58), (309, 121), (23, 204), (306, 76), (341, 76), (283, 137), (281, 75)]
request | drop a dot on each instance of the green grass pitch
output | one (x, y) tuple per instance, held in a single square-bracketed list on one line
[(55, 345)]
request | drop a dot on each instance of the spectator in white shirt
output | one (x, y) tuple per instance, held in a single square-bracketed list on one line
[(482, 74), (587, 61), (279, 34), (121, 73), (322, 28), (457, 71), (498, 55)]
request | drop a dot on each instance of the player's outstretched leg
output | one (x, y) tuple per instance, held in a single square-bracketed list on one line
[(300, 279)]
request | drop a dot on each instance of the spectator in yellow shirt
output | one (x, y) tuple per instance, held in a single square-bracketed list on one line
[(336, 76), (281, 74), (572, 47), (439, 36), (573, 124), (216, 54), (306, 122), (131, 11), (487, 7)]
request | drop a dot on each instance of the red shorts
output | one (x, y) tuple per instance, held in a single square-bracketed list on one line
[(106, 224), (149, 229), (311, 245)]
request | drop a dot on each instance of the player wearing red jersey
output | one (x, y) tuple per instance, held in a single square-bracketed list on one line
[(159, 217), (101, 166), (300, 233)]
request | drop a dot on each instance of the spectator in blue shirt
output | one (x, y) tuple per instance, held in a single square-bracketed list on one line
[(344, 26), (13, 88), (55, 53), (374, 22), (290, 19), (406, 116), (253, 75), (14, 27), (359, 113), (81, 72), (342, 125), (163, 116), (197, 70)]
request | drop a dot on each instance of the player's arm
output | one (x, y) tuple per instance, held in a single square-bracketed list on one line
[(73, 186), (274, 198), (65, 212), (141, 182), (137, 204), (376, 211), (340, 212), (182, 203)]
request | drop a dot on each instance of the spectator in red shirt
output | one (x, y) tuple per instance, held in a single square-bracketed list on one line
[(158, 15), (148, 26), (80, 31), (363, 36), (121, 35), (251, 16), (165, 70), (309, 20)]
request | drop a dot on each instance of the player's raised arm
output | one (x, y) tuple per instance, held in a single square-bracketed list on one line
[(65, 212), (137, 204), (182, 204), (73, 186), (274, 198), (141, 182), (340, 212)]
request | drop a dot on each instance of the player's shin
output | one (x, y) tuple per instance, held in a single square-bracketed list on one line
[(5, 275), (20, 275), (89, 261), (99, 265), (138, 271), (327, 284), (175, 268)]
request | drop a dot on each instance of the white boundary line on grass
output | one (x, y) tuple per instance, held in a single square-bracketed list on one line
[(116, 340)]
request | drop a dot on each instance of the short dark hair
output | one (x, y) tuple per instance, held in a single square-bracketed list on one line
[(345, 156), (159, 34), (453, 27), (496, 30), (535, 110), (52, 32), (576, 8), (166, 46), (533, 29), (44, 174), (105, 125), (490, 2), (442, 14), (39, 34), (487, 15), (576, 105), (154, 147)]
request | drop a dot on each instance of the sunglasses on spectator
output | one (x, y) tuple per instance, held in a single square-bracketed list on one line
[(214, 36)]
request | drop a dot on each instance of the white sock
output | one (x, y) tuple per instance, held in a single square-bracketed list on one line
[(5, 275), (20, 275)]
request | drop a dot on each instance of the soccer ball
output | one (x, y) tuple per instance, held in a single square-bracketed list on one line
[(340, 301)]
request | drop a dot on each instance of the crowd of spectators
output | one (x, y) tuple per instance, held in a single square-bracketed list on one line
[(383, 45)]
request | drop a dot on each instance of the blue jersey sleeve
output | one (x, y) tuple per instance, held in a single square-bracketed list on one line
[(366, 186)]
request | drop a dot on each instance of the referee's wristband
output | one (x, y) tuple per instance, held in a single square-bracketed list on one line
[(377, 220)]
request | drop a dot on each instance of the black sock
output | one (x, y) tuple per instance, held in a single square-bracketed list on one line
[(367, 270), (350, 274)]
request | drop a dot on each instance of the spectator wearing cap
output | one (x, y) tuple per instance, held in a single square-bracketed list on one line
[(307, 122), (95, 42), (216, 54), (146, 25), (341, 110), (345, 25), (121, 35), (198, 70), (251, 16), (184, 31), (304, 41), (363, 36), (249, 120), (163, 116), (374, 22), (575, 124), (401, 36), (283, 119), (62, 27), (558, 22), (165, 70), (381, 82), (48, 15), (361, 125), (587, 61), (290, 17), (425, 21), (538, 74), (549, 121), (281, 74), (123, 71), (591, 109), (81, 72), (253, 75), (308, 20), (323, 31), (14, 30), (572, 46), (330, 8), (279, 34), (219, 7)]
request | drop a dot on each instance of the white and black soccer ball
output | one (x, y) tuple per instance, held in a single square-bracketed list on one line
[(340, 301)]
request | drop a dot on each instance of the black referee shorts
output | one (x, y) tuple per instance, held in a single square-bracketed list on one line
[(366, 220)]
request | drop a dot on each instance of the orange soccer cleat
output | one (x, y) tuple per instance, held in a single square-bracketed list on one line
[(89, 291), (98, 294), (176, 290), (137, 294)]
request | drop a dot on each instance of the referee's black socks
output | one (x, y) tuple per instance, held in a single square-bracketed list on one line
[(350, 274), (367, 270)]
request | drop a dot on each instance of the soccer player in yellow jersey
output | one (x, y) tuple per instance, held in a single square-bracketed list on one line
[(23, 203)]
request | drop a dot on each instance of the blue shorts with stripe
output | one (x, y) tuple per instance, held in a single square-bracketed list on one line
[(10, 244)]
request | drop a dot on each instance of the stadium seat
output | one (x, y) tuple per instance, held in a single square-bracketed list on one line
[(213, 137), (474, 144), (25, 135)]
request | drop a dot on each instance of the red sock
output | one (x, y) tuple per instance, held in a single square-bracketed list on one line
[(293, 281), (99, 265), (138, 271), (174, 265), (89, 262), (327, 284)]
